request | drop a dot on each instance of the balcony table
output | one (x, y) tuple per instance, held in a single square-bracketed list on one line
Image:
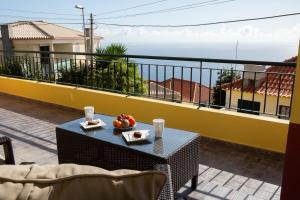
[(105, 147)]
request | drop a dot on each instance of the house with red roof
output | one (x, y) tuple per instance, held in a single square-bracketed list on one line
[(267, 89), (189, 90)]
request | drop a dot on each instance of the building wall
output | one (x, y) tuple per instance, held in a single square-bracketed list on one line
[(271, 101), (79, 47), (23, 46), (63, 48), (55, 45)]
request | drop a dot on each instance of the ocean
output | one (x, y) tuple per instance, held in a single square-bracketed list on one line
[(247, 51), (259, 52)]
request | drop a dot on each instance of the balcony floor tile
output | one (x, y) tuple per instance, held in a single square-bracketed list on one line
[(226, 171)]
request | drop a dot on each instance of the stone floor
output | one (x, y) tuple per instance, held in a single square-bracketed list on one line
[(227, 171)]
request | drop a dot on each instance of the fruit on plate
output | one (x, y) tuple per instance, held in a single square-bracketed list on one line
[(117, 123), (124, 121)]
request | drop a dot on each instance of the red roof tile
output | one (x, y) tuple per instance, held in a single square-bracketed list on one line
[(271, 81), (190, 90)]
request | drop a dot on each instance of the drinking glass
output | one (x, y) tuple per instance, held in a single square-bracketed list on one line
[(89, 113), (158, 125)]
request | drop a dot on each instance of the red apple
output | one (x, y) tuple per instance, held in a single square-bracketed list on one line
[(131, 122)]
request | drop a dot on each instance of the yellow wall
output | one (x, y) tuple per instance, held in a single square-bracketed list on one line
[(256, 131), (295, 114), (271, 101)]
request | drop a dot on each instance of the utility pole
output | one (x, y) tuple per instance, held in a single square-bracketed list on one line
[(92, 33), (91, 37)]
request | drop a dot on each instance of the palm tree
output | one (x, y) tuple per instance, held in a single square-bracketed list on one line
[(116, 72), (112, 49)]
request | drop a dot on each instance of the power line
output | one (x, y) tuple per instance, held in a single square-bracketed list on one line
[(204, 24), (130, 8), (62, 23), (173, 9), (49, 18), (36, 12)]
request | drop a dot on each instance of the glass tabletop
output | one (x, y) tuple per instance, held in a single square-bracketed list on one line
[(171, 141)]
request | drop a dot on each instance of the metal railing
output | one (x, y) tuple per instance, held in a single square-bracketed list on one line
[(255, 87)]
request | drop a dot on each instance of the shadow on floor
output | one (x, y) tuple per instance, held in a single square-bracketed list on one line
[(40, 110)]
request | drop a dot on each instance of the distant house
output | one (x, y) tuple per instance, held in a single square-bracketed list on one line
[(190, 90), (42, 36), (156, 90), (263, 85)]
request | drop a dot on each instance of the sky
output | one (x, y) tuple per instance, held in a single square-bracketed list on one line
[(281, 31)]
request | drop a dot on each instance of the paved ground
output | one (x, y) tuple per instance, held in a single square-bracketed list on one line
[(227, 171)]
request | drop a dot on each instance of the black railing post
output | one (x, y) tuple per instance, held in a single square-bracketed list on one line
[(142, 79), (127, 74), (149, 80), (191, 84), (165, 77), (230, 92), (115, 75), (181, 85), (266, 91), (278, 94), (173, 75), (209, 93), (242, 90), (37, 66), (108, 80), (253, 92), (200, 85), (156, 78), (220, 87)]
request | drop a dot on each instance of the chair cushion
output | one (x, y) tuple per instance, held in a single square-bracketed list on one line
[(69, 181), (2, 160)]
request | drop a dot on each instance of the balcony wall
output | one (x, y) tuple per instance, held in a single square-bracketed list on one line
[(256, 131)]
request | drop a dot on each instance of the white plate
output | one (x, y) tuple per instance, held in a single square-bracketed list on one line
[(128, 136), (129, 128), (85, 125)]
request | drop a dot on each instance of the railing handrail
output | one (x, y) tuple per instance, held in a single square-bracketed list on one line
[(171, 58)]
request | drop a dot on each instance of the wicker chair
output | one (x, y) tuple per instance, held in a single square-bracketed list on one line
[(8, 151)]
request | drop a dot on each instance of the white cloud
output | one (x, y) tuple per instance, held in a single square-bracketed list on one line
[(246, 33)]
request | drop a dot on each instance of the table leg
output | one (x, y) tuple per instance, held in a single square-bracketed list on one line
[(194, 182), (167, 192)]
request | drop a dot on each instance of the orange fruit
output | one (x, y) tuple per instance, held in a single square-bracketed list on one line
[(117, 123)]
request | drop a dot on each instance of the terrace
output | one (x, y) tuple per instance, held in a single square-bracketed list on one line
[(245, 165)]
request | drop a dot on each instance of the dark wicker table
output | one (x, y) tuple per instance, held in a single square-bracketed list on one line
[(106, 148)]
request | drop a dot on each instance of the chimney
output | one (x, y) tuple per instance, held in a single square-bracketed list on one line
[(249, 75), (6, 42)]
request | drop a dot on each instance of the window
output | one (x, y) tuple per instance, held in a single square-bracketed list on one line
[(45, 57), (284, 112), (77, 47), (250, 107)]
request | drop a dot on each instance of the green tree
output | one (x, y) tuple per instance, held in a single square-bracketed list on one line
[(116, 72), (109, 71), (12, 66), (219, 95)]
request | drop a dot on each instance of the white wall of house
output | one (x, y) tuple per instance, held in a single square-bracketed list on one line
[(58, 45), (63, 48), (271, 101)]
